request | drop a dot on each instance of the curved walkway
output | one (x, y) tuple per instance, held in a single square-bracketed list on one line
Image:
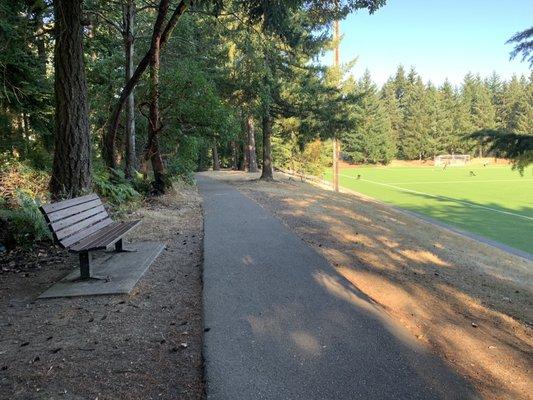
[(280, 323)]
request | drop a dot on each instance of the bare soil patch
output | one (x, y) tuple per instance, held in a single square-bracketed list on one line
[(145, 345), (466, 301)]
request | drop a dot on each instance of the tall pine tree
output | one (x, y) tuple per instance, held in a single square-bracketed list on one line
[(370, 140)]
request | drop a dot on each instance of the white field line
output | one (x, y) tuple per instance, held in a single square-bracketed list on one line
[(465, 181), (429, 167), (442, 198)]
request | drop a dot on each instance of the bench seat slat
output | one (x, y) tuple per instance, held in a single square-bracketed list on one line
[(68, 212), (81, 226), (63, 223), (104, 237), (66, 242), (49, 208), (116, 234)]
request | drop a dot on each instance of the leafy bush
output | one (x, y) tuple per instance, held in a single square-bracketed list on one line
[(24, 222), (39, 158), (18, 176), (185, 161), (141, 184), (313, 159), (115, 189)]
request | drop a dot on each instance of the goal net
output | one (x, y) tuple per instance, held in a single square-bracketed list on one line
[(451, 159)]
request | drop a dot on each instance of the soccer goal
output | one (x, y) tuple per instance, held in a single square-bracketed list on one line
[(452, 160)]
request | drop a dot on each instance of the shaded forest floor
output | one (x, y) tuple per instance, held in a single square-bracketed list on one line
[(466, 301), (145, 345)]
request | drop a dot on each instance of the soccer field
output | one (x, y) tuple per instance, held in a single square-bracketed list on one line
[(496, 203)]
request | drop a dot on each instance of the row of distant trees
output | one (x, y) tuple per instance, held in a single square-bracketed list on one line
[(409, 119), (159, 87)]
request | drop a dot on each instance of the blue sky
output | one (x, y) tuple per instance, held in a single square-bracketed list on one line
[(439, 38)]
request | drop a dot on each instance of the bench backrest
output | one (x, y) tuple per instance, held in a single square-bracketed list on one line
[(74, 219)]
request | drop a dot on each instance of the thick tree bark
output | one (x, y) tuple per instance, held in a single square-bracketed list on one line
[(267, 172), (71, 172), (154, 127), (250, 145), (129, 17), (111, 133), (216, 160)]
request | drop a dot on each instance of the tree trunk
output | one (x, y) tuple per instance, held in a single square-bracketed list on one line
[(267, 173), (250, 145), (245, 154), (129, 17), (71, 172), (235, 156), (154, 121), (111, 133), (216, 160)]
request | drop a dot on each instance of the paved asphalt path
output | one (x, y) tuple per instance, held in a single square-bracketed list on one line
[(281, 323)]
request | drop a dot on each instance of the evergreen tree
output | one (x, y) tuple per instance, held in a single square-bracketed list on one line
[(26, 95), (520, 103), (495, 86), (412, 141), (71, 172), (447, 136), (400, 84), (483, 111), (434, 116), (370, 139), (392, 108), (523, 45)]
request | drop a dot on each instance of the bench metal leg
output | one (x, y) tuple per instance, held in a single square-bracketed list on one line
[(85, 265), (119, 248)]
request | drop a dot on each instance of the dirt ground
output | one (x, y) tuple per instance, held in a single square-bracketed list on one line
[(466, 301), (145, 345)]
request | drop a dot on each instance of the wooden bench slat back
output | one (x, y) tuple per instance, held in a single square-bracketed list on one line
[(81, 225), (74, 219), (71, 211), (59, 205), (66, 222)]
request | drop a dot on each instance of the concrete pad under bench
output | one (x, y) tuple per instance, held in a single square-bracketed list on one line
[(119, 272)]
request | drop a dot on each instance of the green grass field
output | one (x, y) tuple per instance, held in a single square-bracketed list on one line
[(496, 203)]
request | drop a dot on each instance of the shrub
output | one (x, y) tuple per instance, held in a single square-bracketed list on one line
[(116, 189), (141, 184), (18, 176), (313, 159), (24, 222)]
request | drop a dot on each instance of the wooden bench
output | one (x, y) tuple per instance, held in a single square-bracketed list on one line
[(82, 225)]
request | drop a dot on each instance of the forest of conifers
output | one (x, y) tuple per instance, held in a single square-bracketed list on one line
[(121, 96)]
